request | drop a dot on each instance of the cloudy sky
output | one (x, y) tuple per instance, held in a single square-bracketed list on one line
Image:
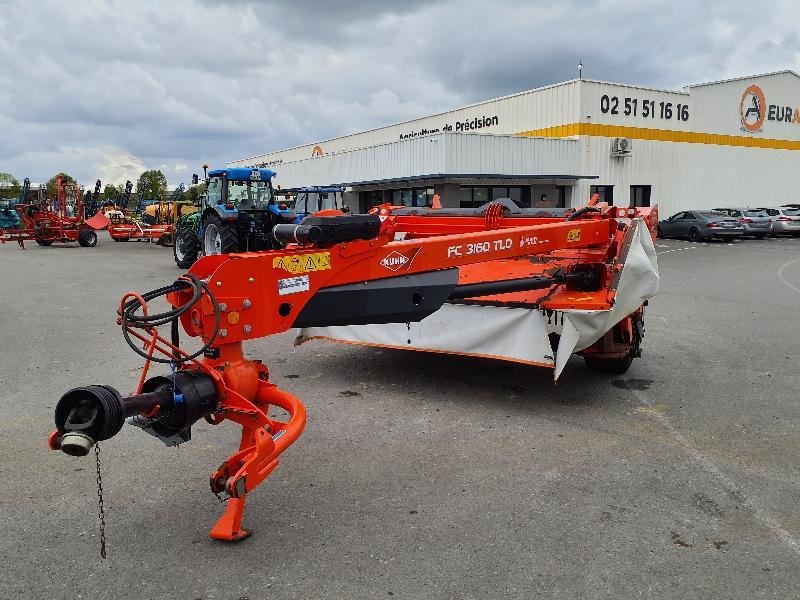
[(107, 89)]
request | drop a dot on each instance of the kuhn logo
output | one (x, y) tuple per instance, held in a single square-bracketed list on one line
[(395, 261), (753, 109)]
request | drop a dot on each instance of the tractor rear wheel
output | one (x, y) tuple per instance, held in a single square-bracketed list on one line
[(87, 238), (219, 237), (186, 248)]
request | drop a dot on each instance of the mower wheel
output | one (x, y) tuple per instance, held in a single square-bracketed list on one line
[(87, 238), (219, 237), (42, 242), (612, 366), (186, 248)]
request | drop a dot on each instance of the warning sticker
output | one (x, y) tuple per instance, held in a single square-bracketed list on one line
[(293, 285), (303, 263), (574, 235)]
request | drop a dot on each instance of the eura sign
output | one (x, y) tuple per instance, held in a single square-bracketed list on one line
[(754, 110)]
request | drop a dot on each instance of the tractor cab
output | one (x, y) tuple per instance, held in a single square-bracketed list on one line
[(310, 200)]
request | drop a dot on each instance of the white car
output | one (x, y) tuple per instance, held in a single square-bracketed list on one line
[(784, 220)]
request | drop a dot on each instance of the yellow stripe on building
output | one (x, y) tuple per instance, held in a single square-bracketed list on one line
[(661, 135)]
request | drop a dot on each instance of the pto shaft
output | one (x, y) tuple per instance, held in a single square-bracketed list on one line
[(86, 415)]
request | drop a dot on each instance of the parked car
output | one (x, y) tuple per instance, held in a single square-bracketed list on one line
[(754, 220), (700, 225), (784, 220)]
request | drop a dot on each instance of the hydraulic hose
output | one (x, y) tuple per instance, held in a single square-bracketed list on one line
[(129, 318)]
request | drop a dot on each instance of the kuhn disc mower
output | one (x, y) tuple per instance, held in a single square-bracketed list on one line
[(582, 277), (58, 220)]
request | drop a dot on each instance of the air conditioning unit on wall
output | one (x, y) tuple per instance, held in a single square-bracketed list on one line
[(621, 147)]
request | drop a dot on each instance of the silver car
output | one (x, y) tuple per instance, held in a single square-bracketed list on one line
[(785, 221), (754, 220)]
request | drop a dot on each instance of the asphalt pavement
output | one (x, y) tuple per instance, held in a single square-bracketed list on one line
[(421, 475)]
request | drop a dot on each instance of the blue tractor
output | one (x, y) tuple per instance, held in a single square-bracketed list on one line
[(9, 217), (237, 214)]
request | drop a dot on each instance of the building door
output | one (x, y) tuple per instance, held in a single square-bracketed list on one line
[(640, 195), (606, 193)]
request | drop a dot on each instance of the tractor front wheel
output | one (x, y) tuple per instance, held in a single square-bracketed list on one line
[(186, 248), (219, 237), (87, 238)]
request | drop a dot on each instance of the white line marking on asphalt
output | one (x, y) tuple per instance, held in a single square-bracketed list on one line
[(759, 513), (679, 249), (783, 280)]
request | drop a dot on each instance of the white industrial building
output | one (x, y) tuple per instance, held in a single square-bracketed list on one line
[(734, 142)]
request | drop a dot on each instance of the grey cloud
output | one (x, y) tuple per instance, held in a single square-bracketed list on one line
[(112, 86)]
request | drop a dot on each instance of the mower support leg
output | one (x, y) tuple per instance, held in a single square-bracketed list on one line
[(229, 526)]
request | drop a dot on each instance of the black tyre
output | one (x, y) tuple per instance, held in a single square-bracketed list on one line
[(219, 237), (42, 242), (611, 366), (87, 238), (186, 248), (760, 236), (694, 234)]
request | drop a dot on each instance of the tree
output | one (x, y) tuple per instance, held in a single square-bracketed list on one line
[(151, 184), (9, 186), (51, 183), (110, 192), (194, 192)]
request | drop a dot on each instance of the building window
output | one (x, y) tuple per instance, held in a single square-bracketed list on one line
[(499, 192), (606, 193), (480, 196), (640, 195), (473, 196)]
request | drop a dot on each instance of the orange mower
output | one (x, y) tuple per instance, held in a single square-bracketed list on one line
[(535, 288)]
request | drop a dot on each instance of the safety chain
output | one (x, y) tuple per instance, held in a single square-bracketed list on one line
[(101, 512)]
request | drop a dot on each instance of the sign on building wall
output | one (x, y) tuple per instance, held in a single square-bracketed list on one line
[(754, 110)]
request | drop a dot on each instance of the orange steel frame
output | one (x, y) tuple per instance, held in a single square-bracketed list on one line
[(160, 232), (246, 289)]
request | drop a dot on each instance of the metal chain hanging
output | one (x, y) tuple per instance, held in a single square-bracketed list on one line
[(101, 512)]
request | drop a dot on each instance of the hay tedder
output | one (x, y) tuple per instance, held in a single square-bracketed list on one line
[(155, 221), (495, 282), (48, 221)]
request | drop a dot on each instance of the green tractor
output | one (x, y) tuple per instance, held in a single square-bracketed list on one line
[(237, 214)]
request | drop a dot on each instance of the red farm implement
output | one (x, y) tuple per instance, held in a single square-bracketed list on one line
[(58, 220), (434, 280)]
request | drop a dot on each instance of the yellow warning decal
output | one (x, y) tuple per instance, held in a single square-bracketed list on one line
[(303, 263), (574, 235)]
